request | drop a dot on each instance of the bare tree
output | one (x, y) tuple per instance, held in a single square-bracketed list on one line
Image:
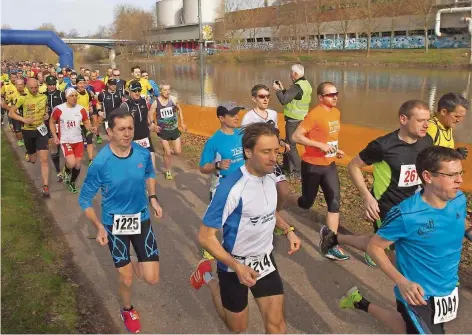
[(425, 9), (318, 18), (345, 15), (368, 11), (228, 26), (252, 17)]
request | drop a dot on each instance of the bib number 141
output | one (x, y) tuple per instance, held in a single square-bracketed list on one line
[(127, 224)]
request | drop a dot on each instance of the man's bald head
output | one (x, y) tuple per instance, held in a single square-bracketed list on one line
[(20, 85), (33, 86)]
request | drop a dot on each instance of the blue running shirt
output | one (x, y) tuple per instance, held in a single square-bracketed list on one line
[(244, 206), (428, 242), (223, 146), (122, 182)]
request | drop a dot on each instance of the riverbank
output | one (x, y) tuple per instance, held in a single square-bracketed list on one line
[(411, 58), (352, 213), (42, 290)]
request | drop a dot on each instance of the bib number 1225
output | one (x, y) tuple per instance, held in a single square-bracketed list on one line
[(127, 224)]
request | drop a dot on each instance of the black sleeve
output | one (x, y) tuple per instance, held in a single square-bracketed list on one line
[(100, 97), (63, 97), (293, 92), (372, 153)]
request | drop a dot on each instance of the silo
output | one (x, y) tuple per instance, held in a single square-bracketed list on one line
[(169, 12), (211, 10)]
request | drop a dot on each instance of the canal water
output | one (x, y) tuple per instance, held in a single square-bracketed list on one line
[(369, 96)]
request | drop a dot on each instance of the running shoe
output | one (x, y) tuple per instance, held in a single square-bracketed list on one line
[(131, 320), (20, 143), (336, 253), (72, 187), (169, 175), (196, 279), (350, 298), (207, 255), (328, 239), (59, 177), (45, 191), (27, 157), (368, 260), (99, 140), (66, 176)]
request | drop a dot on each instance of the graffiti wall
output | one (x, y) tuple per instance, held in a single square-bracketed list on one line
[(398, 42)]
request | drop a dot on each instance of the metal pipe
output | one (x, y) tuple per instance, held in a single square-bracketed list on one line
[(202, 62), (437, 26)]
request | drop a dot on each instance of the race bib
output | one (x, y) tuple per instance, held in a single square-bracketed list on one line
[(445, 308), (167, 112), (334, 144), (126, 224), (408, 176), (144, 142), (43, 130), (261, 264)]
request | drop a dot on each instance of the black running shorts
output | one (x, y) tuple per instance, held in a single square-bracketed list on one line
[(144, 245), (34, 141), (169, 135), (420, 319), (234, 295)]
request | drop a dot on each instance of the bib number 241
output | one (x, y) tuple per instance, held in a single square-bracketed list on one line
[(126, 224)]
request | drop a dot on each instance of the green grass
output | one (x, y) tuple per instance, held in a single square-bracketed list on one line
[(37, 296), (457, 58)]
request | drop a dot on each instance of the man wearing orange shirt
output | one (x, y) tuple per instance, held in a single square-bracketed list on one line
[(319, 133)]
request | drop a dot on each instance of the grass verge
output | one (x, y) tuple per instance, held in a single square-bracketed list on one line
[(352, 213), (42, 290), (447, 58)]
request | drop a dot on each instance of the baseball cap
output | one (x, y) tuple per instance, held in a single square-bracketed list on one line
[(80, 78), (135, 86), (51, 80), (111, 82), (228, 108)]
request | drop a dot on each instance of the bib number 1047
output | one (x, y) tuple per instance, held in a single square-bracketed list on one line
[(127, 224)]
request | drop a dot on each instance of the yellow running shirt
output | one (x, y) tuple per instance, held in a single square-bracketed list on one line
[(441, 136), (34, 106), (145, 85)]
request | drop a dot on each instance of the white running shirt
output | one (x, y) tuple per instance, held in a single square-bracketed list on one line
[(252, 117), (69, 119)]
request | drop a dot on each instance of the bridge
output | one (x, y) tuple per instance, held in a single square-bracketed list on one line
[(108, 43)]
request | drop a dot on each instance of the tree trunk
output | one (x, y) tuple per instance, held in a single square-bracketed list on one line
[(426, 40), (392, 35), (368, 43)]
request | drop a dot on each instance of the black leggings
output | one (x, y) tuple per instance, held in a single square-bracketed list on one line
[(314, 176)]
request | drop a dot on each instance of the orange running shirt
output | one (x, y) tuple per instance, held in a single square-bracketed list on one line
[(321, 126)]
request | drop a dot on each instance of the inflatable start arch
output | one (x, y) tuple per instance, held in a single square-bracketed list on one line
[(40, 37)]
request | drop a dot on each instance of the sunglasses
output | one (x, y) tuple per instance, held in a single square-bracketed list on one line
[(330, 95), (263, 96)]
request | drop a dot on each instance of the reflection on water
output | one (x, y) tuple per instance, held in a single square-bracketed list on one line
[(369, 97)]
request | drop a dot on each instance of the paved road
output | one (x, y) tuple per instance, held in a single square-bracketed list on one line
[(312, 284)]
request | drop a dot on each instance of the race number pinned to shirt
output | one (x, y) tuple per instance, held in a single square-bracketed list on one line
[(43, 130), (335, 145), (262, 264), (126, 224), (445, 308), (408, 176), (144, 142)]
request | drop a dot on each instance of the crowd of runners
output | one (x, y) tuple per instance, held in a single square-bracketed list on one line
[(415, 204)]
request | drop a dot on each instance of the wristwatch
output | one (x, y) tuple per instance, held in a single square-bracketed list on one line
[(289, 229), (153, 196)]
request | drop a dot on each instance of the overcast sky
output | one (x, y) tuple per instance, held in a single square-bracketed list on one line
[(82, 15)]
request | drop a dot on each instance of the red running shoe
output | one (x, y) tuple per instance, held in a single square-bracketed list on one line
[(131, 320), (196, 279)]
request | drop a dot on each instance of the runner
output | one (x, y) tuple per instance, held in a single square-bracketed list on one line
[(155, 87), (9, 93), (452, 108), (17, 125), (427, 229), (138, 107), (54, 98), (98, 87), (123, 170), (61, 84), (223, 152), (69, 116), (395, 178), (108, 75), (260, 113), (35, 132), (319, 133), (84, 98), (109, 100), (165, 111), (120, 84), (42, 88), (244, 206), (146, 87)]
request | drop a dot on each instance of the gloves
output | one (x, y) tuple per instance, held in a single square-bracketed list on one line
[(463, 151)]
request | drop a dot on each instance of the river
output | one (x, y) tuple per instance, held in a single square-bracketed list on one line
[(369, 97)]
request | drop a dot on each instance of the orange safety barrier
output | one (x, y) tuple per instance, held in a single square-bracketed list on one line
[(352, 139)]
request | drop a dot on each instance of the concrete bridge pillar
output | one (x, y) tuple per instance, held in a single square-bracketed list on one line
[(112, 55)]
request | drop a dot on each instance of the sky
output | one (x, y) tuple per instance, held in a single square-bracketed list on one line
[(82, 15)]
